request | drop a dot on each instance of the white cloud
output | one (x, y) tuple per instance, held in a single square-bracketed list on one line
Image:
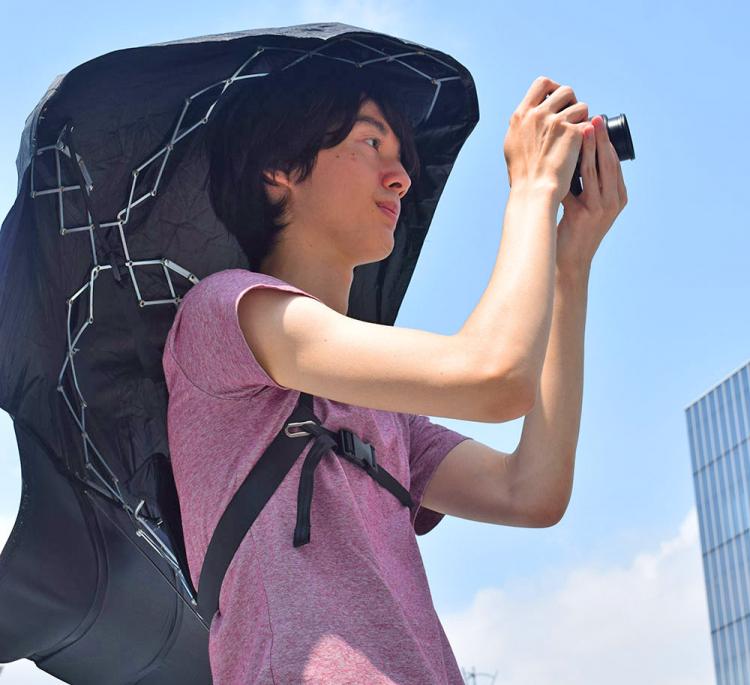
[(644, 623)]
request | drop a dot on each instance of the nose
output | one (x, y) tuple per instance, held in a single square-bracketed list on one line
[(397, 179)]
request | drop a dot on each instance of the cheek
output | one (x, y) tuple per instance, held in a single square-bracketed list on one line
[(355, 179), (345, 184)]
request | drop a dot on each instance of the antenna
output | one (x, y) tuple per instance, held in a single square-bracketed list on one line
[(472, 676)]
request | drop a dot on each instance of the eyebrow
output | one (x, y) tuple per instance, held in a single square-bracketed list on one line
[(377, 123)]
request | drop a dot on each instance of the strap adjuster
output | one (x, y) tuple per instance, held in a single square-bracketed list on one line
[(352, 448)]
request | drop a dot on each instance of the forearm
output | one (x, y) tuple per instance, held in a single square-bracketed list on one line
[(542, 464), (508, 329)]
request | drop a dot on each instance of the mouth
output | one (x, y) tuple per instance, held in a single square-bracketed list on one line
[(388, 212)]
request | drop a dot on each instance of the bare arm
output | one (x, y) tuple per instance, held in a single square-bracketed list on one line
[(510, 325), (530, 487), (541, 468), (486, 372)]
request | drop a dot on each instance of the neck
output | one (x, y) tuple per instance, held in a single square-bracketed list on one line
[(317, 274)]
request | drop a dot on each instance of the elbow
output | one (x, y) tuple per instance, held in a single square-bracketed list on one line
[(551, 512), (514, 396), (547, 519)]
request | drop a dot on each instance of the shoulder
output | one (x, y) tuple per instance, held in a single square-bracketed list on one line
[(227, 278), (225, 285)]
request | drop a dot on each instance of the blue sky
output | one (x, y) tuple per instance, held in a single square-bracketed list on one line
[(614, 592)]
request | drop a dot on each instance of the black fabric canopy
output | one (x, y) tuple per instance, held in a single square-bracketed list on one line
[(110, 228)]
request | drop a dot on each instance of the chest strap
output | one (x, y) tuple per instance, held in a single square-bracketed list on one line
[(266, 476)]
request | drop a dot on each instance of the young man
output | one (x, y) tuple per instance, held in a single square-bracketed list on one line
[(354, 605)]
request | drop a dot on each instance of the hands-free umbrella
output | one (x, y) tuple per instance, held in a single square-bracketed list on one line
[(111, 226)]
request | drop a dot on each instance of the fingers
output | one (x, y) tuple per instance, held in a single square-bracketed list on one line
[(605, 173), (621, 190), (607, 162), (576, 114), (540, 88), (589, 173), (552, 97), (563, 97)]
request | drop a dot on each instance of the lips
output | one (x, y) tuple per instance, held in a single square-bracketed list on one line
[(390, 208)]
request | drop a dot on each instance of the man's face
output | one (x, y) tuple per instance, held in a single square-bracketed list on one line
[(338, 202)]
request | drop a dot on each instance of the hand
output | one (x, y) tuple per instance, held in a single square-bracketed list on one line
[(544, 139), (588, 217)]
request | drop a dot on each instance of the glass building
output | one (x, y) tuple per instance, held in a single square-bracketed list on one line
[(718, 426)]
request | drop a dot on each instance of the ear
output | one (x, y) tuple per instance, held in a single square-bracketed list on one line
[(276, 184), (275, 177)]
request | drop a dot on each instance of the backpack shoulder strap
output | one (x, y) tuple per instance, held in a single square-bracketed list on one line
[(266, 476), (246, 504)]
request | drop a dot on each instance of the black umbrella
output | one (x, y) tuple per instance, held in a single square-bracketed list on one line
[(110, 228)]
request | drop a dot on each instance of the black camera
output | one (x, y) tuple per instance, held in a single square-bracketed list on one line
[(619, 136)]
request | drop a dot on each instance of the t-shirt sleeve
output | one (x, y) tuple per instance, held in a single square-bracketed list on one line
[(429, 444), (206, 341)]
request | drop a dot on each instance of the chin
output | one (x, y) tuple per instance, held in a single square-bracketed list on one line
[(377, 256)]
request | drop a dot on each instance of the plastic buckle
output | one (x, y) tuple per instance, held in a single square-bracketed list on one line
[(353, 449)]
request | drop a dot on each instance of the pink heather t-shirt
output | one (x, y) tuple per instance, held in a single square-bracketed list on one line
[(351, 606)]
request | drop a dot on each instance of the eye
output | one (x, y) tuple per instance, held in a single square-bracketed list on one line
[(376, 140)]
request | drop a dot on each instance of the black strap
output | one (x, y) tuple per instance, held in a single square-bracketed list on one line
[(266, 476)]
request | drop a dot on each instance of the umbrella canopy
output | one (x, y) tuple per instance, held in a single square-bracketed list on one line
[(111, 226)]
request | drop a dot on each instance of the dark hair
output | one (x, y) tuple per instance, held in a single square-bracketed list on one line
[(281, 121)]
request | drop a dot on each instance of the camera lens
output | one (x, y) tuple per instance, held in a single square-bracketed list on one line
[(619, 136)]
